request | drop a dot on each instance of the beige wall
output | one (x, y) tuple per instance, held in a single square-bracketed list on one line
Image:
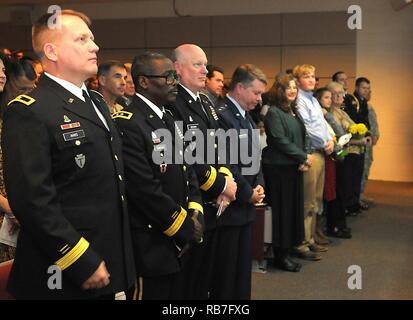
[(275, 35), (274, 42), (385, 55)]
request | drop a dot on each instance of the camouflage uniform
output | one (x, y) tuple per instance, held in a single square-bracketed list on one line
[(368, 156)]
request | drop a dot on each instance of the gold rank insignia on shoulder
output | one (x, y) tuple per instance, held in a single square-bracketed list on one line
[(25, 99), (122, 114)]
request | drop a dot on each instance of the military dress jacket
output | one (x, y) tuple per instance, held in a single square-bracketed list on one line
[(161, 195), (241, 211), (357, 108), (204, 120), (64, 179)]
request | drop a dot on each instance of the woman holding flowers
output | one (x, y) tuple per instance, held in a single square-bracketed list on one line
[(348, 177)]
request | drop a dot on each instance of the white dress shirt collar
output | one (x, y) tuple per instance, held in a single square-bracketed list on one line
[(235, 102), (72, 88), (193, 95), (78, 92)]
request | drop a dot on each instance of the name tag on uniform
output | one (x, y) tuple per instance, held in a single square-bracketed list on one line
[(243, 136), (192, 126), (73, 135)]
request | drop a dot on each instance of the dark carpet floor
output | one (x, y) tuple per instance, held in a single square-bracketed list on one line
[(382, 245)]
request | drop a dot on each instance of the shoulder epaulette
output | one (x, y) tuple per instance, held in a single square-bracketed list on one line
[(222, 108), (122, 114), (25, 99)]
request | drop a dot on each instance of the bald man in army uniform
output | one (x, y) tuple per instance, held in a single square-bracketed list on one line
[(216, 181)]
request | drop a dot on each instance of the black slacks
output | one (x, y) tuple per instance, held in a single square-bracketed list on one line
[(231, 278)]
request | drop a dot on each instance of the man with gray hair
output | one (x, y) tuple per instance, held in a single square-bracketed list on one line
[(112, 81)]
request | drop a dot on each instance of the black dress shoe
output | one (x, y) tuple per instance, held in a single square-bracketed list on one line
[(340, 234), (287, 265)]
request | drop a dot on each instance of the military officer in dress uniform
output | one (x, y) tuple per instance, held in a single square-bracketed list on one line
[(232, 269), (357, 108), (64, 176), (163, 196), (216, 181)]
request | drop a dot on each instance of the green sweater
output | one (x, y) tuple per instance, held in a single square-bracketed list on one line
[(286, 138)]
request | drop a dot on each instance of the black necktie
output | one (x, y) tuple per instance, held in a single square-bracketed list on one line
[(169, 121), (89, 102), (246, 122), (87, 99), (198, 100)]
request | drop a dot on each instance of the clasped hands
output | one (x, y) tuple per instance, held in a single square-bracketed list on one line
[(228, 195)]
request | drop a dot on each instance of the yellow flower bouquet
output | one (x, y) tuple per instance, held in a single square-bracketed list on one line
[(358, 130)]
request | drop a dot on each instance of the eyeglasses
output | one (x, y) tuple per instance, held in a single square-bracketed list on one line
[(171, 78), (338, 94)]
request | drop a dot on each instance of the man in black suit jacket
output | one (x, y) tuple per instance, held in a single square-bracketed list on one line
[(216, 181), (64, 176), (232, 270), (163, 196)]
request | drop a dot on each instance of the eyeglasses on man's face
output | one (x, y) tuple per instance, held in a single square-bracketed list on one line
[(171, 78), (338, 94)]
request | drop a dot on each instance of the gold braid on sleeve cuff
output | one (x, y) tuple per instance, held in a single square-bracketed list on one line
[(212, 175), (179, 218), (73, 255), (226, 171), (195, 206)]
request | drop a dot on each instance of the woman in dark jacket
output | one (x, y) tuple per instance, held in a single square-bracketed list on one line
[(284, 160)]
